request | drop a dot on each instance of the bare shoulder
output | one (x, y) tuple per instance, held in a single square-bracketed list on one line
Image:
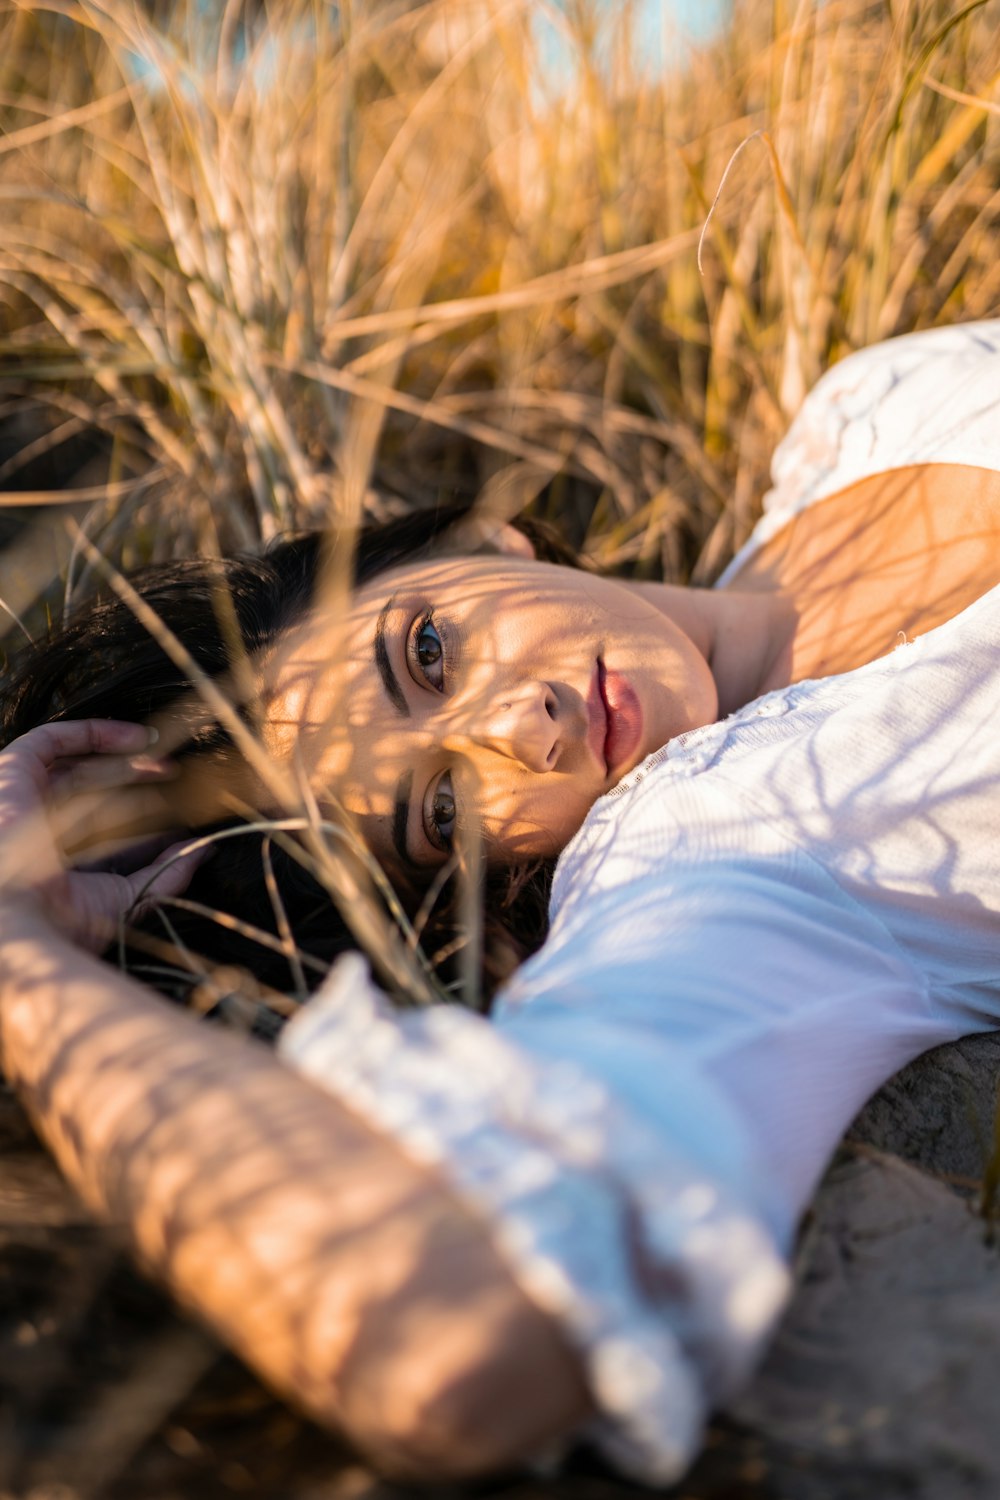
[(897, 552)]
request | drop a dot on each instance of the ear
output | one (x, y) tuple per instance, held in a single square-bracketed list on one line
[(485, 533), (513, 543)]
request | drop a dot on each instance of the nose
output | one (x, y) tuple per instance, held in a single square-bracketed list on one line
[(518, 723)]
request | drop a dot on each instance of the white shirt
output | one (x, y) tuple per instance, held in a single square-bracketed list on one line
[(750, 933)]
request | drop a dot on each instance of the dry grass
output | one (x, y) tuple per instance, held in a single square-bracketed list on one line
[(293, 261)]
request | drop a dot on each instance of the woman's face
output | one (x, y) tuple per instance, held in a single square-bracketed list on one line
[(493, 695)]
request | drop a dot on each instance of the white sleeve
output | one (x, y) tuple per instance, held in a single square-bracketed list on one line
[(639, 1235)]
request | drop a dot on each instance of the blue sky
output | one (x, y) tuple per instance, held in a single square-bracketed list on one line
[(698, 18), (666, 24), (664, 28)]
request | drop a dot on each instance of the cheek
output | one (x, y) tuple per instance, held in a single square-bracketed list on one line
[(530, 822), (539, 636)]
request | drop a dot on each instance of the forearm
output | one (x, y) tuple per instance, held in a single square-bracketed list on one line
[(348, 1276)]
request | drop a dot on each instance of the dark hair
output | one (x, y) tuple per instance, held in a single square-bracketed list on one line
[(104, 663)]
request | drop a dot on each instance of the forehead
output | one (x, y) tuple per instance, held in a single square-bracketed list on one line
[(476, 575)]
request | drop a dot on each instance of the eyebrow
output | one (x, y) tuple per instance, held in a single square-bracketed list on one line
[(389, 680), (401, 816)]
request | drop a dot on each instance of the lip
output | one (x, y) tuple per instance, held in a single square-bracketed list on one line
[(597, 717), (623, 714)]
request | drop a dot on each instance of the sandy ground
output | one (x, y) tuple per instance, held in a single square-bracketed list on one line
[(884, 1380)]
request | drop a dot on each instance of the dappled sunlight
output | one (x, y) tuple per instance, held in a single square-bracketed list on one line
[(925, 547), (313, 1249)]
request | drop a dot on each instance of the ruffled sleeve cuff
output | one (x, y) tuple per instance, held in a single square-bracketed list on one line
[(664, 1282)]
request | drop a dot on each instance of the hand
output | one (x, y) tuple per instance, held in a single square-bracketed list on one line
[(63, 760)]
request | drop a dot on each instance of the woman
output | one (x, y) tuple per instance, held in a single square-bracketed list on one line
[(577, 1216), (905, 476)]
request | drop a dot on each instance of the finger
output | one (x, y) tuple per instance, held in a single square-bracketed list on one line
[(134, 856), (96, 824), (170, 874), (71, 737), (67, 778)]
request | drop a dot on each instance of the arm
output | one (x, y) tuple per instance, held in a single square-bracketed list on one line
[(349, 1277), (346, 1276)]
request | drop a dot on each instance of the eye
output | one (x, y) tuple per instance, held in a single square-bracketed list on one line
[(440, 820), (429, 652)]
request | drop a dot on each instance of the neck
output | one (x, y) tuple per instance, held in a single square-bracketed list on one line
[(744, 637)]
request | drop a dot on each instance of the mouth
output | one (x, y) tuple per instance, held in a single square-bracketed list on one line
[(623, 720), (597, 717)]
